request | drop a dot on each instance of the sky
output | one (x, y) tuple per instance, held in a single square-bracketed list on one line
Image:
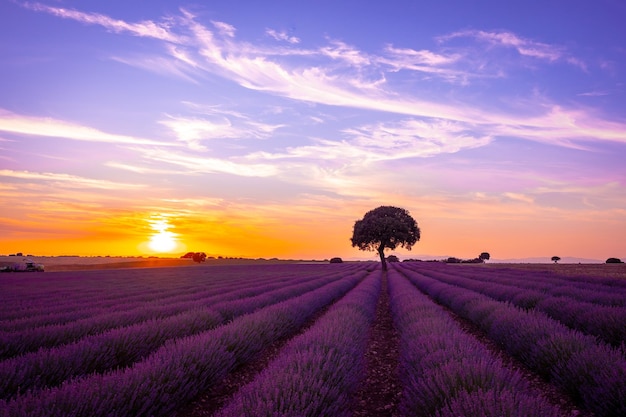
[(266, 129)]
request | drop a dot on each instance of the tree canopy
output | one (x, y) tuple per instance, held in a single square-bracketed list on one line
[(385, 227)]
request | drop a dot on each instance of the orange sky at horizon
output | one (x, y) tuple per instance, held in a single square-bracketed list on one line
[(506, 231)]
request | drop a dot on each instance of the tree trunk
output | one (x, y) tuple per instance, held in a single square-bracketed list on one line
[(381, 252)]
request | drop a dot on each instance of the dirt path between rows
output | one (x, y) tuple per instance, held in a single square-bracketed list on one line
[(214, 399), (380, 391)]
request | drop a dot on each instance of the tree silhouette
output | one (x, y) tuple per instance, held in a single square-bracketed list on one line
[(484, 256), (199, 257), (385, 227), (556, 259)]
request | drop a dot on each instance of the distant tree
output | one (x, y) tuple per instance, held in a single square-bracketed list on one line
[(336, 260), (453, 260), (199, 257), (385, 227), (614, 261), (472, 261), (392, 258), (555, 259), (484, 256), (188, 255)]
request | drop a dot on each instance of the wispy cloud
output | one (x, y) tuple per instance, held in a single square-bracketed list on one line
[(182, 67), (224, 29), (408, 138), (138, 168), (45, 126), (67, 180), (282, 36), (507, 39), (448, 66), (563, 127), (215, 123), (146, 28), (341, 51), (520, 197), (524, 47), (596, 93), (422, 57), (199, 164), (193, 131)]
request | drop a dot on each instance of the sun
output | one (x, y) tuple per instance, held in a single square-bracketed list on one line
[(163, 241)]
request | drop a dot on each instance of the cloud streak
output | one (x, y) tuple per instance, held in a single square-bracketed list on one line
[(198, 164), (523, 46), (282, 36), (214, 123), (66, 180), (146, 28), (45, 126), (409, 138)]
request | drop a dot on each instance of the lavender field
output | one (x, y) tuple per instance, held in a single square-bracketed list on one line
[(471, 341)]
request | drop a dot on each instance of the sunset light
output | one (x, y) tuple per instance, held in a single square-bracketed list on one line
[(241, 130), (163, 240)]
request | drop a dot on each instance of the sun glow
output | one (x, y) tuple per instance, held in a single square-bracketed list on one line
[(163, 240)]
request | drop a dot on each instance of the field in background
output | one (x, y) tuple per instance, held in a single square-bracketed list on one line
[(591, 270), (78, 263)]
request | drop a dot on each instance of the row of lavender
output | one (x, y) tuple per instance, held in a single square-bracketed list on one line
[(182, 367), (595, 308), (446, 372), (95, 292), (317, 373), (123, 346), (30, 295), (21, 341), (591, 372), (598, 290)]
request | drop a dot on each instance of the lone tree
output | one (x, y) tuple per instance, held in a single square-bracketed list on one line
[(556, 259), (385, 227), (484, 256)]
